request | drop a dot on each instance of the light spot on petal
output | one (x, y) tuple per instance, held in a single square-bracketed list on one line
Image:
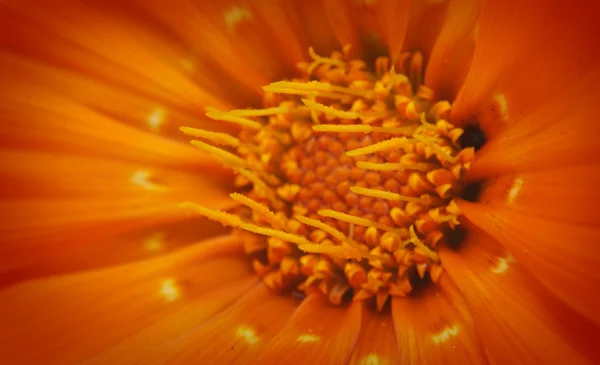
[(503, 263), (154, 242), (500, 99), (188, 65), (372, 359), (236, 15), (445, 335), (514, 190), (247, 334), (169, 290), (308, 338), (156, 118), (143, 178)]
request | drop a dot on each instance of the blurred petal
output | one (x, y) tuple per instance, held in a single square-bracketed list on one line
[(563, 256), (568, 195), (237, 334), (453, 50), (317, 333), (69, 318), (95, 251), (519, 322), (562, 132), (73, 34), (376, 343), (344, 23), (434, 329), (54, 201), (545, 47)]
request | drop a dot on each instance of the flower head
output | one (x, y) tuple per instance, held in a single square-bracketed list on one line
[(392, 182)]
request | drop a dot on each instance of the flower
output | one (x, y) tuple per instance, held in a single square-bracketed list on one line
[(101, 266)]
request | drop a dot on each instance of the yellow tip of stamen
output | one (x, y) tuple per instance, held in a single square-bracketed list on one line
[(215, 215), (380, 146), (216, 114), (388, 195), (223, 155), (329, 110), (222, 139)]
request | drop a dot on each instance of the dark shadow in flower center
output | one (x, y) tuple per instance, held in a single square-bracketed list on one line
[(455, 238), (472, 191), (473, 136)]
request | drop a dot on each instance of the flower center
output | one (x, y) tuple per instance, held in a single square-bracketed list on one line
[(349, 177)]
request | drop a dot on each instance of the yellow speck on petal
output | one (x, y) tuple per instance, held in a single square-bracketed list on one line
[(500, 99), (235, 15), (372, 359), (308, 338), (502, 265), (247, 334), (445, 335), (142, 178), (156, 118), (154, 242), (515, 189), (169, 290)]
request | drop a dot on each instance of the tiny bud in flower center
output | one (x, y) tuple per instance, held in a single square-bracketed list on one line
[(350, 177)]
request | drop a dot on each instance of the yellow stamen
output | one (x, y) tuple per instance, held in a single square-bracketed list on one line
[(443, 154), (223, 155), (332, 231), (337, 251), (289, 237), (318, 60), (329, 110), (259, 112), (380, 146), (391, 166), (388, 195), (359, 128), (348, 218), (261, 209), (418, 243), (226, 117), (222, 139), (215, 215)]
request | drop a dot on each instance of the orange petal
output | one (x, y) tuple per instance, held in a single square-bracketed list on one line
[(235, 335), (376, 344), (316, 26), (453, 49), (527, 52), (344, 23), (70, 318), (133, 54), (568, 195), (96, 251), (51, 201), (432, 328), (561, 132), (563, 256), (37, 119), (519, 322), (317, 333), (424, 24)]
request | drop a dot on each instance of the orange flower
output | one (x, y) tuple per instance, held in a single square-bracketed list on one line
[(389, 240)]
